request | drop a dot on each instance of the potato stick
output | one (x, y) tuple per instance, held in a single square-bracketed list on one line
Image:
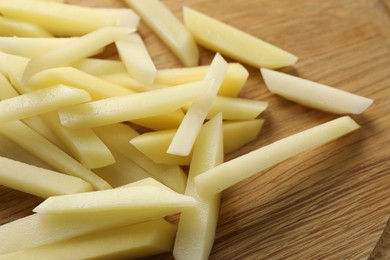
[(123, 17), (98, 67), (122, 172), (231, 172), (6, 89), (234, 43), (36, 46), (96, 87), (189, 128), (80, 48), (125, 80), (197, 225), (135, 56), (49, 153), (41, 101), (130, 107), (170, 30), (234, 81), (162, 121), (13, 67), (314, 94), (119, 135), (131, 198), (235, 108), (16, 28), (128, 242), (83, 144), (154, 144), (38, 181), (58, 18)]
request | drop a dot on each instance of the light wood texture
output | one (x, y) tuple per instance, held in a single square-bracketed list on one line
[(329, 203)]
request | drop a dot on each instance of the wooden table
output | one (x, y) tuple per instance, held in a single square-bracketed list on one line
[(329, 203)]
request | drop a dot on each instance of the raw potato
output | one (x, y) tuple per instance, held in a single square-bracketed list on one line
[(41, 101), (240, 168), (122, 17), (188, 130), (38, 181), (58, 18), (170, 30), (13, 66), (128, 242), (49, 153), (314, 94), (98, 67), (130, 107), (84, 144), (80, 48), (154, 144), (197, 225), (125, 80), (117, 136), (236, 44), (12, 28), (235, 79), (114, 200), (133, 53), (6, 89)]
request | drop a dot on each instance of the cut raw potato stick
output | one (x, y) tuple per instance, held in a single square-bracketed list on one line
[(125, 80), (117, 137), (96, 87), (16, 28), (133, 53), (128, 242), (49, 153), (122, 172), (235, 108), (13, 67), (114, 200), (6, 89), (170, 30), (77, 49), (154, 144), (241, 46), (38, 181), (133, 106), (123, 17), (98, 67), (41, 101), (36, 46), (188, 130), (83, 144), (58, 18), (197, 225), (240, 168), (313, 94), (235, 79)]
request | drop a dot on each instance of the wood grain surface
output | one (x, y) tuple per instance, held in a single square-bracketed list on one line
[(329, 203)]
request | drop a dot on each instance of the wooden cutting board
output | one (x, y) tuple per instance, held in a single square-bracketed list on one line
[(329, 203)]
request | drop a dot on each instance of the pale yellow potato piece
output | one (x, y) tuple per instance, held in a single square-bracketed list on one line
[(32, 47), (170, 30), (13, 67), (41, 101), (12, 150), (125, 80), (234, 108), (127, 199), (123, 17), (12, 28), (231, 172), (154, 144), (197, 225), (234, 43), (313, 94), (133, 53), (122, 172), (130, 107), (96, 87), (98, 67), (6, 89), (58, 18), (77, 49), (128, 242), (49, 153), (235, 79), (38, 181), (117, 136), (188, 130), (83, 144)]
